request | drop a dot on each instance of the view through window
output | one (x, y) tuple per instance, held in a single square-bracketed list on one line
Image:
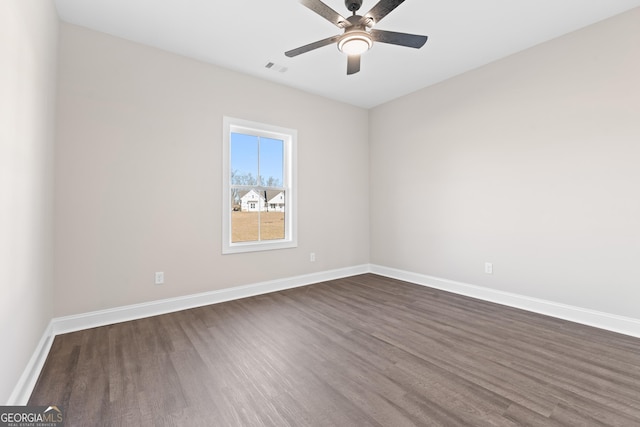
[(257, 191)]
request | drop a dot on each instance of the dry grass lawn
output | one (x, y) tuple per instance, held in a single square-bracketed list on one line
[(244, 226)]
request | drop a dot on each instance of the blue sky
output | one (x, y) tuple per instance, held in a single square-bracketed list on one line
[(244, 156)]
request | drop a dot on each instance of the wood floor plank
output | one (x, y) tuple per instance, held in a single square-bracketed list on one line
[(364, 350)]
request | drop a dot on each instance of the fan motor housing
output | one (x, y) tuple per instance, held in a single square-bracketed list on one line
[(353, 5)]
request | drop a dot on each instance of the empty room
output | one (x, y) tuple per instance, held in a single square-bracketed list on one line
[(320, 213)]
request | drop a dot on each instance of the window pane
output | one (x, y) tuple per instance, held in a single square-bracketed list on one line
[(257, 215), (244, 219), (272, 218), (244, 159), (271, 162)]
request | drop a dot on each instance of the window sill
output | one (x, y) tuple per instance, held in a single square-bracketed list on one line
[(236, 248)]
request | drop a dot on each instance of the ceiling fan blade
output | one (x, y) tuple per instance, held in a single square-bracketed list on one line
[(401, 39), (326, 12), (382, 9), (311, 46), (353, 64)]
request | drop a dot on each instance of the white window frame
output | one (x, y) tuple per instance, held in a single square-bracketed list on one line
[(289, 136)]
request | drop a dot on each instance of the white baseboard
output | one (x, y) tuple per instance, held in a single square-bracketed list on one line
[(598, 319), (26, 383), (110, 316)]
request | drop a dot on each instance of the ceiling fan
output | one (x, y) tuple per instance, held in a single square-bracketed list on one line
[(359, 35)]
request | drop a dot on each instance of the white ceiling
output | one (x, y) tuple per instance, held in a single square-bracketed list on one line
[(246, 35)]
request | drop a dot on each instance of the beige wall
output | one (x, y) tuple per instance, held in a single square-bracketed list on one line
[(532, 163), (138, 175), (28, 40)]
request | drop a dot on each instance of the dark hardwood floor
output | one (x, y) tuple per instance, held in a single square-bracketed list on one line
[(360, 351)]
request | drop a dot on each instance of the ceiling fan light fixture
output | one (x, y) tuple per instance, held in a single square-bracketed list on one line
[(355, 43), (358, 35)]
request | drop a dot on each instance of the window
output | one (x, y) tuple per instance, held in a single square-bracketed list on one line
[(259, 194)]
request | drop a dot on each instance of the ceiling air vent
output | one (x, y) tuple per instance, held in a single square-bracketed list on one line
[(275, 67)]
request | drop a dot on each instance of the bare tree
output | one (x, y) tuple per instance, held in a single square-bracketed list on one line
[(270, 182), (240, 179)]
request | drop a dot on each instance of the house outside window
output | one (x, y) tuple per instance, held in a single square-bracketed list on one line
[(259, 191)]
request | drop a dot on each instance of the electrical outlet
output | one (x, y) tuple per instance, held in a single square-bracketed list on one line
[(488, 268), (312, 257), (159, 277)]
